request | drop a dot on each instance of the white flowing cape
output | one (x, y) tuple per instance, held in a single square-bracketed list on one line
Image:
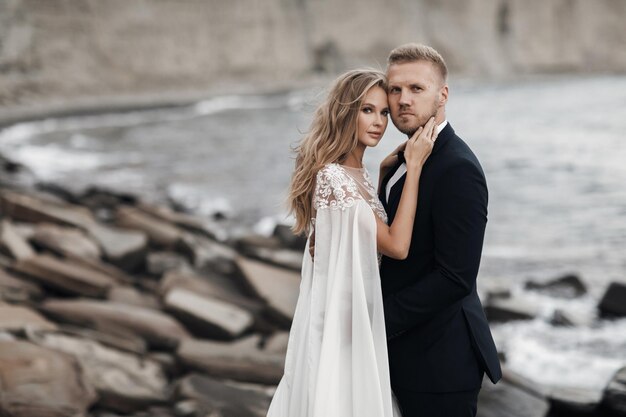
[(336, 363)]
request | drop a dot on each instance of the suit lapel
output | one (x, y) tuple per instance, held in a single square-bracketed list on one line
[(382, 196)]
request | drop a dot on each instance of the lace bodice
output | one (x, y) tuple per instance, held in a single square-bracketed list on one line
[(340, 187)]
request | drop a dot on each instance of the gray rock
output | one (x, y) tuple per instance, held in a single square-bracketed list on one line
[(123, 248), (567, 286), (158, 263), (614, 397), (160, 232), (65, 276), (156, 328), (218, 398), (288, 239), (277, 343), (14, 318), (124, 382), (13, 242), (506, 399), (131, 296), (127, 342), (500, 310), (65, 241), (239, 361), (18, 290), (269, 250), (207, 317), (29, 382), (613, 303), (276, 286), (209, 254)]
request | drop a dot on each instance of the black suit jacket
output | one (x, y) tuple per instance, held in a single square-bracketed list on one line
[(438, 336)]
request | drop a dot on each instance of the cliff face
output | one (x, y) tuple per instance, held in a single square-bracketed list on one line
[(71, 48)]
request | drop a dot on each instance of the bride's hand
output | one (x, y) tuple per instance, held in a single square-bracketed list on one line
[(419, 147), (391, 159)]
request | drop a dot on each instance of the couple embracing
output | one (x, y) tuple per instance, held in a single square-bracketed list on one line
[(388, 321)]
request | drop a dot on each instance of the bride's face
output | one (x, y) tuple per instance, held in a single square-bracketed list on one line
[(372, 120)]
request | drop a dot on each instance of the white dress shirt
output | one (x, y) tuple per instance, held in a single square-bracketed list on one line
[(402, 168)]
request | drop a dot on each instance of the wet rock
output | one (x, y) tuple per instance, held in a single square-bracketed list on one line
[(269, 250), (124, 382), (567, 286), (501, 310), (239, 361), (158, 263), (15, 318), (209, 254), (505, 399), (65, 276), (218, 398), (156, 328), (123, 248), (65, 241), (13, 243), (26, 208), (132, 296), (276, 286), (570, 318), (576, 401), (29, 382), (288, 239), (207, 317), (160, 233), (613, 303), (18, 290), (614, 397)]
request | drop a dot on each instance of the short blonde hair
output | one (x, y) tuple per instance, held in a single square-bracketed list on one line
[(412, 52)]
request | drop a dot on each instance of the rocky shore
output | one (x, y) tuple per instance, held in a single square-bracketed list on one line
[(112, 306)]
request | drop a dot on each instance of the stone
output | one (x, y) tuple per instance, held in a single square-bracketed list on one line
[(219, 398), (13, 243), (288, 239), (239, 361), (269, 250), (207, 317), (29, 382), (65, 276), (127, 342), (614, 397), (506, 399), (114, 272), (277, 343), (499, 310), (567, 286), (126, 294), (278, 287), (29, 209), (209, 254), (125, 249), (16, 318), (124, 382), (158, 263), (64, 241), (613, 303), (18, 290), (159, 330), (160, 233)]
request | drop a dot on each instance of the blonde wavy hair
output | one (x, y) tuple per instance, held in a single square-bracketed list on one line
[(331, 138)]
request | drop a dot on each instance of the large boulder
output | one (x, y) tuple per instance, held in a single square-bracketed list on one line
[(567, 286), (614, 398), (18, 290), (217, 398), (14, 318), (123, 248), (13, 243), (499, 310), (278, 287), (206, 316), (65, 241), (613, 303), (30, 209), (124, 382), (240, 361), (270, 250), (30, 384), (160, 233), (506, 399), (209, 254), (158, 329), (65, 276)]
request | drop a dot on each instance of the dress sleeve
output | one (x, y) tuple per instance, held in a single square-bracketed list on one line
[(350, 373)]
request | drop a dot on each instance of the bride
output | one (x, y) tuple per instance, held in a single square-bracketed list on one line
[(336, 363)]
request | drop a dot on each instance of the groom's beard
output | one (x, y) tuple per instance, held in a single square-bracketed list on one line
[(420, 119)]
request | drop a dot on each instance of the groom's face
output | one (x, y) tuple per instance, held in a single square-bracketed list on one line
[(417, 92)]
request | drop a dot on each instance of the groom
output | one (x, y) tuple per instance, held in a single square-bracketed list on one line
[(438, 338)]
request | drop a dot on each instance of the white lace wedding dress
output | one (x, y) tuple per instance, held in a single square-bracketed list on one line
[(336, 363)]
